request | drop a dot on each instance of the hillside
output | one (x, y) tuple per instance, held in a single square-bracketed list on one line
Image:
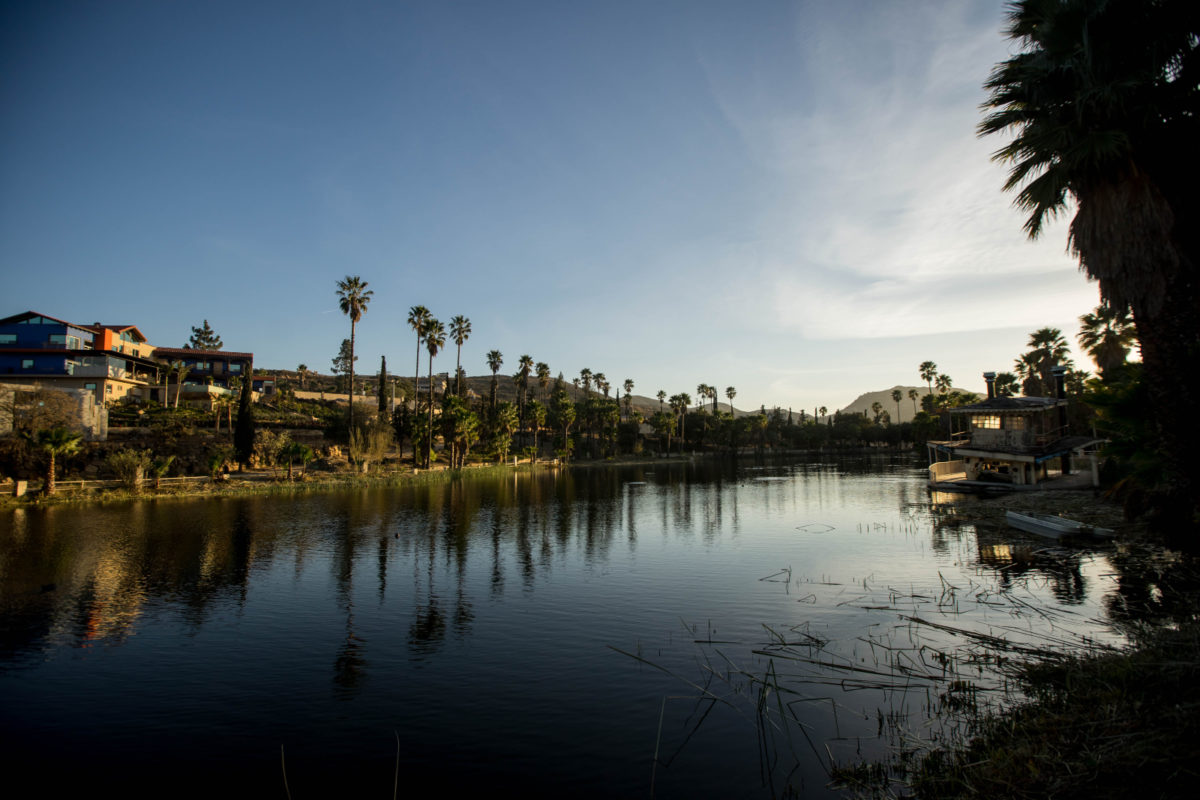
[(480, 385), (884, 398)]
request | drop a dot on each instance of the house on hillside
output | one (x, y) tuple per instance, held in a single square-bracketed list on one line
[(210, 374), (1009, 443), (115, 363), (111, 361)]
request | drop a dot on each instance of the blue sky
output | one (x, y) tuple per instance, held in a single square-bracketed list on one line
[(786, 197)]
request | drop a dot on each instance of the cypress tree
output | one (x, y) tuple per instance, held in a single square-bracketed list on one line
[(382, 385), (243, 431)]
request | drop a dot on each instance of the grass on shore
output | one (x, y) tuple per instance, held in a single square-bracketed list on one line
[(260, 482), (1111, 725)]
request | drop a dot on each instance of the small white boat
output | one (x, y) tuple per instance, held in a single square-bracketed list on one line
[(1052, 526)]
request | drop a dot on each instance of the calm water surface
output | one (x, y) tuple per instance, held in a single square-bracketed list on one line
[(548, 632)]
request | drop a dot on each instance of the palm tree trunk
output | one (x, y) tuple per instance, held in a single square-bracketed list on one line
[(351, 394), (429, 449), (48, 483), (458, 372)]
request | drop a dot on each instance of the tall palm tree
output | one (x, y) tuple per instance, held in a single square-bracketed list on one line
[(524, 369), (435, 338), (542, 370), (303, 371), (495, 360), (1047, 349), (353, 297), (54, 443), (628, 386), (730, 393), (897, 396), (585, 377), (460, 330), (928, 371), (1106, 335), (661, 396), (679, 404), (1101, 101), (418, 316), (1027, 369), (914, 395)]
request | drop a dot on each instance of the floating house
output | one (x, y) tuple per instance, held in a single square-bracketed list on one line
[(1010, 443)]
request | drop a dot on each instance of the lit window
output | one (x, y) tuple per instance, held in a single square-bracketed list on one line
[(985, 421)]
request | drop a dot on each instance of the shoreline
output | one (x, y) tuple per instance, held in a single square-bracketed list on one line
[(273, 481)]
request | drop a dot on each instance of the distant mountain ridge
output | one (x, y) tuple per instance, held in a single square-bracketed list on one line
[(884, 398)]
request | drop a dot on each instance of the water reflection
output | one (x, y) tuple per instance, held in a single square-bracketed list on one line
[(495, 600)]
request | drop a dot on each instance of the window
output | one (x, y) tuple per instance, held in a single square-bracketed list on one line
[(236, 369), (26, 363), (64, 340), (8, 338), (991, 421), (90, 386), (1014, 423)]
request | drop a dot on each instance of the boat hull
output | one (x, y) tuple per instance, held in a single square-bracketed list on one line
[(1053, 527)]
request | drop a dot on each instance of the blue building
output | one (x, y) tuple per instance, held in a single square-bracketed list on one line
[(113, 361)]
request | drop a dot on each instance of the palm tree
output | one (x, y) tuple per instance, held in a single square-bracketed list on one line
[(54, 443), (876, 409), (435, 337), (460, 330), (913, 395), (353, 297), (730, 393), (585, 377), (180, 370), (542, 370), (1106, 335), (928, 371), (897, 395), (1101, 101), (495, 360), (1006, 384), (418, 316), (661, 396), (628, 386), (679, 404), (303, 370), (1026, 368), (524, 369)]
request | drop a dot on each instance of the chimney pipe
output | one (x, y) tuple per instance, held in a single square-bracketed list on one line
[(990, 379), (1060, 381)]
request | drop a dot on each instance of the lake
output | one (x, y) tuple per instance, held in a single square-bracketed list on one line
[(678, 629)]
